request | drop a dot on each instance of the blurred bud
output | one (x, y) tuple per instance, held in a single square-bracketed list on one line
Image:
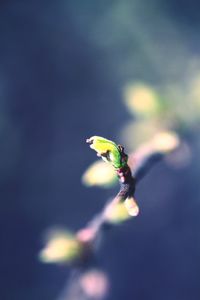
[(194, 92), (118, 213), (142, 100), (86, 235), (107, 149), (139, 131), (95, 284), (99, 174), (61, 247), (131, 206), (165, 142)]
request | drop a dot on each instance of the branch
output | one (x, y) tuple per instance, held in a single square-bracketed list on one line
[(82, 248), (115, 155), (129, 173)]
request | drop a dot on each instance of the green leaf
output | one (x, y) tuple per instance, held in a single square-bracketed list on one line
[(108, 150)]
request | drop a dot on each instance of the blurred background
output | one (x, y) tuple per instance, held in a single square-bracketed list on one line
[(123, 70)]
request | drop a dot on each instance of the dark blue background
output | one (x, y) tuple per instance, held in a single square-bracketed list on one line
[(61, 72)]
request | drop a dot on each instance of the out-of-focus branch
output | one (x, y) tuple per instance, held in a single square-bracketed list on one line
[(145, 157), (139, 164), (86, 278)]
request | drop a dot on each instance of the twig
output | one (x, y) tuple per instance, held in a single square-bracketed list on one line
[(129, 173)]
